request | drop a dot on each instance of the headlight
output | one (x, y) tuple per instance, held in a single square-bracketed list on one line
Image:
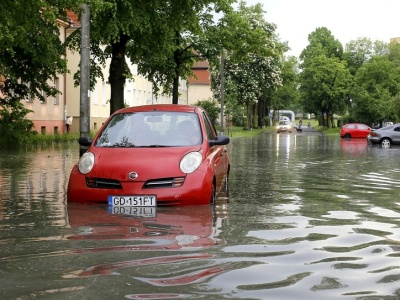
[(86, 163), (190, 162)]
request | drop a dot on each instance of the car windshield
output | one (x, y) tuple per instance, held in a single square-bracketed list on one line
[(151, 129), (284, 123)]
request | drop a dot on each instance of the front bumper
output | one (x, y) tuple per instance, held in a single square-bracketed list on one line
[(196, 190)]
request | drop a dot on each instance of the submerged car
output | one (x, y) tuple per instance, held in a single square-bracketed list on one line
[(385, 136), (284, 126), (165, 154), (354, 130)]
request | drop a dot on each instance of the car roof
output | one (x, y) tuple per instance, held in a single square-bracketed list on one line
[(160, 107)]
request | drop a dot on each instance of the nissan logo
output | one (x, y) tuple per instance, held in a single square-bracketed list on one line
[(133, 175)]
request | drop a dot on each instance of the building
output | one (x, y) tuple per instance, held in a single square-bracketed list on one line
[(49, 116), (199, 86)]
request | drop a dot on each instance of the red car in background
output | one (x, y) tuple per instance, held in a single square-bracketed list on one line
[(145, 156), (355, 130)]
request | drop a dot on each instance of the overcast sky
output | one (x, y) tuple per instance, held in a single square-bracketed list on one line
[(346, 19)]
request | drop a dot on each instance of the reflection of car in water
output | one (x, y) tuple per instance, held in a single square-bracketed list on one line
[(354, 146), (172, 228), (168, 228)]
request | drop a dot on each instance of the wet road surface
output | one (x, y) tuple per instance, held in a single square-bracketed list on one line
[(310, 217)]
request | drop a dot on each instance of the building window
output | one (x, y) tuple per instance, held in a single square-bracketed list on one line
[(56, 130), (56, 84), (95, 96), (95, 126), (43, 129), (104, 94)]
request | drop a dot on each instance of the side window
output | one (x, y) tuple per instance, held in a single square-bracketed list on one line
[(397, 129), (211, 132)]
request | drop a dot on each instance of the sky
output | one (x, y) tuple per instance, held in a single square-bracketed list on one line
[(346, 19)]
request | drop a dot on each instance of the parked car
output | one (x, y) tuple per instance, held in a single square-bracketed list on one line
[(354, 130), (152, 155), (284, 126), (385, 136)]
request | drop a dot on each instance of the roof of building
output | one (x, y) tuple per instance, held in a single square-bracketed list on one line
[(201, 71)]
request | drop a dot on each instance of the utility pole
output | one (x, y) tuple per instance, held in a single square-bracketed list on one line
[(84, 121), (222, 91)]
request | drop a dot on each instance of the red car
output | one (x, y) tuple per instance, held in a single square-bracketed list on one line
[(152, 155), (355, 130)]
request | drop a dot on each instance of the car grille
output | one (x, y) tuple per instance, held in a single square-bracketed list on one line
[(103, 183), (164, 182)]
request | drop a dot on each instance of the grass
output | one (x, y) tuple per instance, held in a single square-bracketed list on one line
[(53, 138)]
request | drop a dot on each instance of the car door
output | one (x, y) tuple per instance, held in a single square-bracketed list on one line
[(396, 135), (363, 131), (218, 154)]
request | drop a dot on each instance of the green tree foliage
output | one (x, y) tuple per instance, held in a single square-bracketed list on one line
[(377, 90), (321, 41), (361, 50), (252, 59), (160, 36), (325, 80), (287, 95), (31, 54), (211, 107)]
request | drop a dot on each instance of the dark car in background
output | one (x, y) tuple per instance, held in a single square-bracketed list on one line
[(385, 136), (354, 130)]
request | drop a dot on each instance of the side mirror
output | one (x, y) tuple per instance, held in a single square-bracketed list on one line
[(85, 141), (219, 141)]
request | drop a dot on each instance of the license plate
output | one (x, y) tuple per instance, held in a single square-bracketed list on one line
[(133, 200), (136, 211)]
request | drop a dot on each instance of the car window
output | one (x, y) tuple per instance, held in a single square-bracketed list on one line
[(151, 129), (351, 126), (397, 128), (363, 127), (211, 131)]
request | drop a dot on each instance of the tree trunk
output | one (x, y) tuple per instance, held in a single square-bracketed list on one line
[(261, 113), (178, 61), (175, 89), (117, 77)]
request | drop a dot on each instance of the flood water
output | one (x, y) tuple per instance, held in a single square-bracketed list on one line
[(309, 217)]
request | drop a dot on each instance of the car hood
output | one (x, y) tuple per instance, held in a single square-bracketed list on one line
[(148, 163)]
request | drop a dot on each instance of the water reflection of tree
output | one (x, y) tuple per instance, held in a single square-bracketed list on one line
[(33, 181)]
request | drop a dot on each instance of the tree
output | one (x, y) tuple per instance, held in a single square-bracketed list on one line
[(211, 107), (160, 36), (361, 50), (377, 90), (253, 57), (321, 41), (324, 87), (287, 95), (325, 79), (31, 54)]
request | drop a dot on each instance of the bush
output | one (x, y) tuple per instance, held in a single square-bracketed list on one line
[(211, 107)]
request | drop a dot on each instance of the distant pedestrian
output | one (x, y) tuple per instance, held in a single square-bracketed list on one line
[(68, 123), (300, 123)]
